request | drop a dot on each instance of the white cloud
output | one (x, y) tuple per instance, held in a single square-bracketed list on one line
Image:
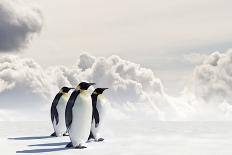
[(212, 80), (211, 86), (23, 84), (134, 90), (19, 20), (132, 87)]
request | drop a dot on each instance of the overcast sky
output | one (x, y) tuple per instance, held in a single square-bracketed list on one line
[(159, 34)]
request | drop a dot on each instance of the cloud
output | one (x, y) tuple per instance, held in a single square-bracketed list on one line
[(212, 80), (23, 84), (134, 90), (211, 85), (19, 20), (132, 87)]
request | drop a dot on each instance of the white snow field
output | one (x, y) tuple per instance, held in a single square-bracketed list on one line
[(123, 138)]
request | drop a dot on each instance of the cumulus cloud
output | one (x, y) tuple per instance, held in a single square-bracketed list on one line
[(211, 85), (212, 80), (131, 86), (134, 90), (23, 83), (19, 20)]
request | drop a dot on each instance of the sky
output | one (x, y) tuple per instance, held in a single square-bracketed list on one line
[(172, 58), (157, 34)]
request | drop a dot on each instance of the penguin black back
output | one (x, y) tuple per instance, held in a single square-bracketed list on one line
[(68, 110), (95, 111), (54, 112), (94, 96), (71, 101)]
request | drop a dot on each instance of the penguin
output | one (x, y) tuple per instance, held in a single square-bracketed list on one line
[(99, 110), (78, 116), (58, 112)]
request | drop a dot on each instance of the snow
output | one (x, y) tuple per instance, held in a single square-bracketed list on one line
[(123, 137)]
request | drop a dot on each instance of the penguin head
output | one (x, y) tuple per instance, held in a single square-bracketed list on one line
[(65, 89), (99, 91), (84, 85)]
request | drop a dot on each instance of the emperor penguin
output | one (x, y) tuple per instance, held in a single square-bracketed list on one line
[(58, 112), (99, 105), (78, 115)]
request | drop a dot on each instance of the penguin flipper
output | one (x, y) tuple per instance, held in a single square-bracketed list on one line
[(96, 116), (95, 111), (68, 110), (56, 116), (54, 112), (53, 134)]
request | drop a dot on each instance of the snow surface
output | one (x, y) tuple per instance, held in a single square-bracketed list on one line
[(123, 137)]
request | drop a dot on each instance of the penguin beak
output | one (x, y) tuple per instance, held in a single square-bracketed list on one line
[(105, 88), (92, 84), (69, 89)]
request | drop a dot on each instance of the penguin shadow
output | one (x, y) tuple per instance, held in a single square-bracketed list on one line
[(30, 138), (45, 150), (50, 144), (42, 150)]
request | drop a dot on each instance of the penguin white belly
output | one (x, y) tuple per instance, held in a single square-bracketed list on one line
[(60, 128), (81, 119), (101, 107)]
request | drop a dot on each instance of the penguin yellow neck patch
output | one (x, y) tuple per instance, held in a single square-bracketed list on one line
[(78, 88), (101, 96), (84, 92), (65, 96)]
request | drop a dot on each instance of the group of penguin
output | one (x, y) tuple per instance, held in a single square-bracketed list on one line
[(79, 115)]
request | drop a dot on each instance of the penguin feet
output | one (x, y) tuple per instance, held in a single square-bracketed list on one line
[(80, 147), (69, 145), (99, 140), (53, 135), (65, 134)]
